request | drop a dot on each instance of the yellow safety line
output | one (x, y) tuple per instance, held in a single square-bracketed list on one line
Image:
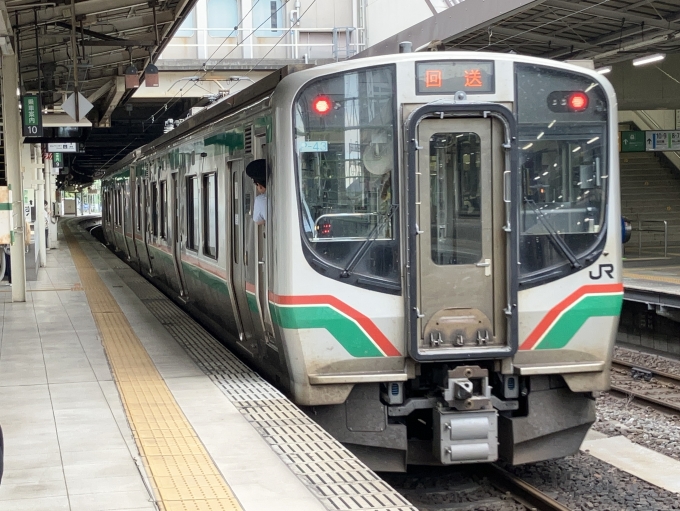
[(653, 278), (183, 474)]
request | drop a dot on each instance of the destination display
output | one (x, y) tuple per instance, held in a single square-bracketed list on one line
[(450, 76)]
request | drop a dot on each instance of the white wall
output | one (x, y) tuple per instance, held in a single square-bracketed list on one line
[(384, 18)]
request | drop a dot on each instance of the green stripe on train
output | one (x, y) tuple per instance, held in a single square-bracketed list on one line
[(205, 277), (344, 329), (573, 319)]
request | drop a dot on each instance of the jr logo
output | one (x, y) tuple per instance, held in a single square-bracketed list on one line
[(603, 269)]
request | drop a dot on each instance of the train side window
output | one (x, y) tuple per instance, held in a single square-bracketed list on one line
[(210, 215), (192, 212), (154, 209), (164, 208)]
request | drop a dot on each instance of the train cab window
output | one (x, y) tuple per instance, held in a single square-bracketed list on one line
[(154, 209), (563, 161), (210, 215), (192, 212), (345, 140), (164, 209), (455, 216)]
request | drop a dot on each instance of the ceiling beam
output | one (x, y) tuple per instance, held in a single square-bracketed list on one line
[(101, 91), (82, 8), (112, 101), (614, 14), (6, 33), (533, 36)]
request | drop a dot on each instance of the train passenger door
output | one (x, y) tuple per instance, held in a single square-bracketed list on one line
[(460, 242), (176, 237), (242, 260), (261, 151), (145, 259), (125, 190)]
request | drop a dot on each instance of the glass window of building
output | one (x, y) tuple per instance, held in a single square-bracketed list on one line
[(222, 18), (268, 18)]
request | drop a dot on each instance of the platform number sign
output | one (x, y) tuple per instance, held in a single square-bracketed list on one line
[(32, 116)]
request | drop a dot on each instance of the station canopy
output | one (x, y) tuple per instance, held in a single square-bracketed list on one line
[(110, 36)]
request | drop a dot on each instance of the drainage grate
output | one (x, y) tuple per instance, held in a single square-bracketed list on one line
[(333, 474)]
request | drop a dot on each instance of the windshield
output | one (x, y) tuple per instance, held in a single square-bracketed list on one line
[(345, 142), (563, 163)]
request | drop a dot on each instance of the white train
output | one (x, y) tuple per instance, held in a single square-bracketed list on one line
[(439, 279)]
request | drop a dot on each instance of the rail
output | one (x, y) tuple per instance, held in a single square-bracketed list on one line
[(641, 229), (536, 499), (659, 402)]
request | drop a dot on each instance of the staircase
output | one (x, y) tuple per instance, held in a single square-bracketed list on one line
[(650, 191)]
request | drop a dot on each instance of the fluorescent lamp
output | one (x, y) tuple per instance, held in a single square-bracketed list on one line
[(648, 59), (604, 70), (527, 146)]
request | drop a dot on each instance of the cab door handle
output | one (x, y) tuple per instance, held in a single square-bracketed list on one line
[(486, 264)]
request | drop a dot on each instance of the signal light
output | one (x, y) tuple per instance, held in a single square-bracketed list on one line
[(322, 105), (578, 101), (325, 229)]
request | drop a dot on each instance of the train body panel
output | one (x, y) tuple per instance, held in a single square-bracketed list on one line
[(441, 246)]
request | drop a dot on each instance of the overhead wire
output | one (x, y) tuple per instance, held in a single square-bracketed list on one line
[(543, 25), (206, 71)]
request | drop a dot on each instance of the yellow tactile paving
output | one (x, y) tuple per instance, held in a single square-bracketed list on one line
[(184, 476)]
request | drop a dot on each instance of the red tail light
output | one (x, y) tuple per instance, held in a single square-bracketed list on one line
[(578, 101), (322, 105)]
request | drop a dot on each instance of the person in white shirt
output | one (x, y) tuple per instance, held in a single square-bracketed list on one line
[(257, 171)]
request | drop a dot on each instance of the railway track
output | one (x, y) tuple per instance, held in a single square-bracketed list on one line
[(650, 386), (485, 487), (529, 496)]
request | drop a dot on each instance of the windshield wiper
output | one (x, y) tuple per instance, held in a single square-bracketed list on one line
[(554, 236), (367, 242)]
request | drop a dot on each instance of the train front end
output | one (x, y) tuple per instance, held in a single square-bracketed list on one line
[(463, 211)]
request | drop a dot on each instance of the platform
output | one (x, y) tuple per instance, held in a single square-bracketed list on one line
[(112, 398), (653, 281)]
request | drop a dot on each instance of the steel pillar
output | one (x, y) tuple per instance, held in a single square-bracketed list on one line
[(12, 127)]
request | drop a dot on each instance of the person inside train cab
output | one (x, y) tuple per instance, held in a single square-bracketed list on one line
[(257, 171)]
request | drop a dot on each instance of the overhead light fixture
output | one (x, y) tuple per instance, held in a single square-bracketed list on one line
[(604, 70), (151, 76), (648, 59), (131, 77)]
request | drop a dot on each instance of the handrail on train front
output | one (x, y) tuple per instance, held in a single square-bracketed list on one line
[(650, 229)]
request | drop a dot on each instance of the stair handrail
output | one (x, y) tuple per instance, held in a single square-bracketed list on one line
[(640, 229)]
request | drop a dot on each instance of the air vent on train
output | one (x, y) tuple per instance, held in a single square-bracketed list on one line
[(248, 140)]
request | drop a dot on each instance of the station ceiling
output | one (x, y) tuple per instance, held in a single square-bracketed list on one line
[(110, 34)]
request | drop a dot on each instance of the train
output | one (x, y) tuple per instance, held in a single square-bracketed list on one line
[(438, 280)]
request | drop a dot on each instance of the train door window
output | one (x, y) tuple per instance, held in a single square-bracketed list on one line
[(139, 206), (455, 206), (119, 208), (164, 209), (154, 209), (235, 203), (210, 215), (192, 212)]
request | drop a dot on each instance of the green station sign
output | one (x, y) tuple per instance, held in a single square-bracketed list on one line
[(31, 116), (633, 142)]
